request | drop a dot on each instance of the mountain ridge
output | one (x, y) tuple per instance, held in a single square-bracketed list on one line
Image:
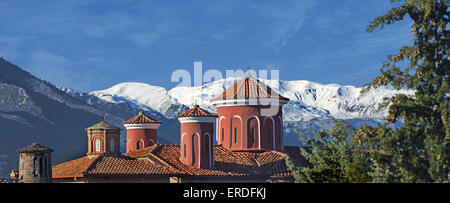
[(308, 100)]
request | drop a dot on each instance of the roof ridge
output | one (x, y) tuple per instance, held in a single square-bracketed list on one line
[(92, 164), (141, 118), (196, 111), (254, 158), (249, 88), (162, 160)]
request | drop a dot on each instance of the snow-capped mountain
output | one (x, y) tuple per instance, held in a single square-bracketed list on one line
[(311, 105), (144, 96), (308, 100)]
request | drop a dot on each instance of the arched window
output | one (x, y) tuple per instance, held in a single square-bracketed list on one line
[(97, 145), (269, 131), (195, 145), (236, 124), (207, 146), (139, 144), (253, 136)]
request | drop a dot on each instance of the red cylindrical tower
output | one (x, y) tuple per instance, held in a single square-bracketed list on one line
[(250, 117), (196, 141), (142, 132)]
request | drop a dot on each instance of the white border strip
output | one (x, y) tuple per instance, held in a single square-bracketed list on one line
[(142, 126), (197, 119)]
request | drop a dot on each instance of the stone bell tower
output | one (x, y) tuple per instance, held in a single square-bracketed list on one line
[(35, 164), (103, 138)]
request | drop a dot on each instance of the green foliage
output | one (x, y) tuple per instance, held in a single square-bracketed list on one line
[(419, 150), (333, 157)]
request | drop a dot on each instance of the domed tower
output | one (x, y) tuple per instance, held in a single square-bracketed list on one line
[(250, 117), (196, 142), (142, 131), (35, 164), (103, 138)]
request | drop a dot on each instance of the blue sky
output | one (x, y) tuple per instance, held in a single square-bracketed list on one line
[(92, 45)]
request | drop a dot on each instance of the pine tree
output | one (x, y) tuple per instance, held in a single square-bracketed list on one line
[(418, 150), (333, 157)]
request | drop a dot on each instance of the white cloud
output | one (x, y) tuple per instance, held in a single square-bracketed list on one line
[(226, 34), (285, 20), (151, 36)]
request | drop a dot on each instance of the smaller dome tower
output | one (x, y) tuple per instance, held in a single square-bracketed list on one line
[(103, 138), (196, 142), (142, 132), (35, 164)]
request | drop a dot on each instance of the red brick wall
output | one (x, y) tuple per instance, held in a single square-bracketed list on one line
[(105, 137), (148, 136), (244, 118), (193, 137)]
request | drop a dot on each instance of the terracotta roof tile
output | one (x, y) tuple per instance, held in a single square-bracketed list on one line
[(227, 163), (196, 111), (141, 152), (73, 168), (123, 165), (164, 160), (103, 125), (248, 88), (107, 165), (141, 118)]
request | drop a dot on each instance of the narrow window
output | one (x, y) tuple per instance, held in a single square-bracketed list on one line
[(235, 135), (184, 150), (97, 145), (223, 134), (35, 166), (252, 136)]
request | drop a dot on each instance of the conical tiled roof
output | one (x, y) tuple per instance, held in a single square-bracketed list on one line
[(141, 118), (196, 111), (248, 88), (103, 125)]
